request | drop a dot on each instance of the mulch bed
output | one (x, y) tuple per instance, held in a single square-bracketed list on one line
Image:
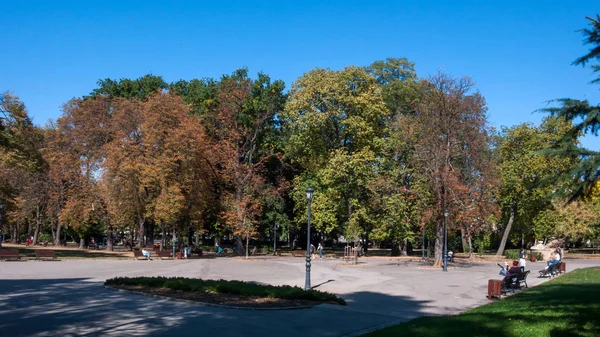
[(222, 299)]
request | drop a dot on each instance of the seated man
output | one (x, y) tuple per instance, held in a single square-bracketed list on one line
[(146, 253), (554, 259)]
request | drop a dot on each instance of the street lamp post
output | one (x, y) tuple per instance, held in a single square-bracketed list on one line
[(309, 194), (275, 226), (446, 240)]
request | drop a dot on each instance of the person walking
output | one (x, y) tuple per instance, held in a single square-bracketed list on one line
[(312, 251), (320, 250)]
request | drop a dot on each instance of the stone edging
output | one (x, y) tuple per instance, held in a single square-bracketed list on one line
[(206, 304)]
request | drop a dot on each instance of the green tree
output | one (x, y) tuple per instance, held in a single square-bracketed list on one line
[(586, 119), (335, 122), (526, 174)]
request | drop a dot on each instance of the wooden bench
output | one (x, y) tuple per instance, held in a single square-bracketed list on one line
[(41, 254), (553, 270), (522, 279), (137, 254), (9, 254), (165, 254)]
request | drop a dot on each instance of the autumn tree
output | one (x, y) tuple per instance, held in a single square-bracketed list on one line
[(446, 131), (22, 168), (241, 124)]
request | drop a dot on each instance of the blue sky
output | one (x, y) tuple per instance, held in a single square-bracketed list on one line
[(519, 53)]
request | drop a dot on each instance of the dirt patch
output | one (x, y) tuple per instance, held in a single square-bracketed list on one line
[(222, 299)]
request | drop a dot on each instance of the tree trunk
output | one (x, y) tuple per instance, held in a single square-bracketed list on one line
[(142, 235), (38, 224), (470, 243), (239, 246), (403, 248), (511, 219), (162, 239), (57, 238), (109, 240), (247, 242), (439, 244), (81, 243), (463, 237), (149, 227)]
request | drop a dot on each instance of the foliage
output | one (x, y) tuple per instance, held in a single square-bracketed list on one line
[(512, 254), (580, 179), (526, 175), (227, 287), (523, 314), (335, 121)]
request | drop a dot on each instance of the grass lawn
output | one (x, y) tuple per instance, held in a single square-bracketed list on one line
[(568, 305), (227, 287)]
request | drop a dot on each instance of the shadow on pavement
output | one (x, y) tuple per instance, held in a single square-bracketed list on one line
[(81, 307)]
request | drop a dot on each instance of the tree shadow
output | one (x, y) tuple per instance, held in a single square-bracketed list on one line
[(81, 307)]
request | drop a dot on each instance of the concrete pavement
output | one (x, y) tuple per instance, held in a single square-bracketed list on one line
[(67, 298)]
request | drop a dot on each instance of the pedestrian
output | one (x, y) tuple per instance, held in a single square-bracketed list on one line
[(312, 251), (320, 250)]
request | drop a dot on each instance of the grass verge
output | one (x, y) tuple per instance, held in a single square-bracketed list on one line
[(227, 287), (568, 305)]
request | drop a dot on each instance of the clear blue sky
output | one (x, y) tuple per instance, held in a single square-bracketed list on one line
[(518, 52)]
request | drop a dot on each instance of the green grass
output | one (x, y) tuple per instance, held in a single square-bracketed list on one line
[(227, 287), (565, 306)]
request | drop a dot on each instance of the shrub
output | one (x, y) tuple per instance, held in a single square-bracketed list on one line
[(512, 254), (227, 287)]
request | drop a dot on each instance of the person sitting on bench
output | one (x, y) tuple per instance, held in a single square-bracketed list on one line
[(515, 269), (554, 259), (146, 253)]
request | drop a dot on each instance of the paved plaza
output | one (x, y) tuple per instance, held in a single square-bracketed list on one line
[(67, 298)]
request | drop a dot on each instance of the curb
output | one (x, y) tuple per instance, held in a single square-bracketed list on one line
[(207, 304), (377, 327)]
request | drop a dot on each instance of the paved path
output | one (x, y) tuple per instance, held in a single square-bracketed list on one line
[(67, 298)]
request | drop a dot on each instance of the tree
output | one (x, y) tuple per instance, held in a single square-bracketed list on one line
[(139, 88), (446, 132), (22, 167), (586, 119), (241, 124), (335, 123), (527, 176)]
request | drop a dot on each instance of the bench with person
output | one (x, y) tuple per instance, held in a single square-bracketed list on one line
[(554, 266), (553, 270), (514, 278), (41, 254), (10, 254), (137, 254)]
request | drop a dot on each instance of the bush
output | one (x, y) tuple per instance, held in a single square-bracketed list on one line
[(512, 254), (45, 237), (227, 287)]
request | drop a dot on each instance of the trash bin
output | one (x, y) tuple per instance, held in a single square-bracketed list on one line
[(494, 289)]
